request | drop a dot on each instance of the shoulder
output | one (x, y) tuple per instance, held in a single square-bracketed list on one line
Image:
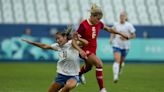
[(101, 24), (84, 21), (116, 23), (69, 43), (55, 46), (129, 24)]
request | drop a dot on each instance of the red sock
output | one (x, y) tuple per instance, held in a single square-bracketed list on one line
[(99, 76)]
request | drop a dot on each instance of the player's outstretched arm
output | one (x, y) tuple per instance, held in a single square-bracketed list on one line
[(112, 30), (41, 45)]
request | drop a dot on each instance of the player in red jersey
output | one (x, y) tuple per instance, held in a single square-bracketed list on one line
[(89, 30)]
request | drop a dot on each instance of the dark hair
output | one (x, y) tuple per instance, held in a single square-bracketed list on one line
[(67, 33)]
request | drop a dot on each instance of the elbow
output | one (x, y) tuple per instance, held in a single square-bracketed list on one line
[(45, 47), (133, 36)]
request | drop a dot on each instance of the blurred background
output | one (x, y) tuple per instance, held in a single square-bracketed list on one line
[(37, 20)]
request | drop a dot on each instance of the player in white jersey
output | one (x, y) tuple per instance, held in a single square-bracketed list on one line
[(121, 45), (68, 65)]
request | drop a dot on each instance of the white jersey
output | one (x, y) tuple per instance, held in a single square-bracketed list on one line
[(69, 62), (126, 28)]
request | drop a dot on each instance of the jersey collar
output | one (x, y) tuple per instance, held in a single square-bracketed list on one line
[(89, 22)]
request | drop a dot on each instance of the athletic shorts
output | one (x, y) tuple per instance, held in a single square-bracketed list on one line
[(123, 52), (62, 79)]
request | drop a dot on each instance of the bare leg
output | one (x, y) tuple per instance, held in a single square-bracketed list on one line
[(122, 61), (116, 66), (71, 83), (93, 60), (85, 68), (54, 87)]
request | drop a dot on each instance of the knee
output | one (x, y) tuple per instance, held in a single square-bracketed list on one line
[(69, 87), (99, 64), (51, 90), (89, 67)]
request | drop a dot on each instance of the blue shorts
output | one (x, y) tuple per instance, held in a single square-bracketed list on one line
[(123, 52), (62, 79)]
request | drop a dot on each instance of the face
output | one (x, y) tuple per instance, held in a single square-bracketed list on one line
[(61, 40), (123, 17), (28, 31), (96, 18)]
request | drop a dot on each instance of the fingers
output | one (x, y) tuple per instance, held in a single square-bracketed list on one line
[(83, 55)]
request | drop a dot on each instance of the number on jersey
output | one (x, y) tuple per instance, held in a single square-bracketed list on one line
[(93, 32)]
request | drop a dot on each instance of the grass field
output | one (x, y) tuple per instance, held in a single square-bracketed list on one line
[(36, 77)]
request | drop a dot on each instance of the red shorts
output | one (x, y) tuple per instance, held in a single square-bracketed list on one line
[(89, 51)]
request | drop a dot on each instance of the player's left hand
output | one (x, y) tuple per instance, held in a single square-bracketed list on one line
[(124, 36), (83, 54)]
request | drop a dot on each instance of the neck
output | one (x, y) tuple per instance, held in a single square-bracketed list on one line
[(122, 22), (91, 21)]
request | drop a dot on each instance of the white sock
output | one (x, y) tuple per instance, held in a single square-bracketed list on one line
[(115, 70)]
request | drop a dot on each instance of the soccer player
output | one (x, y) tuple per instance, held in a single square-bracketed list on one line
[(89, 30), (121, 45), (68, 65)]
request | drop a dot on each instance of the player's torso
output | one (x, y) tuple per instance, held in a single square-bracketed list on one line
[(118, 41), (68, 63), (124, 28), (91, 33)]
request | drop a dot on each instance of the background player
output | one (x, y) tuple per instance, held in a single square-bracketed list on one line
[(121, 45), (68, 66), (89, 30)]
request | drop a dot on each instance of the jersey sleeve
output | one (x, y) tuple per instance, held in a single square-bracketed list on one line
[(102, 25), (131, 28), (70, 42), (54, 46), (114, 25), (81, 29)]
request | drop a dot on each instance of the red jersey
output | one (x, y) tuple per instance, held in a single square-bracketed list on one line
[(90, 33)]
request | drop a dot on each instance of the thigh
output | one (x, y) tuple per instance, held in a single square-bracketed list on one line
[(54, 87), (124, 52), (94, 60), (71, 83), (117, 54), (60, 79)]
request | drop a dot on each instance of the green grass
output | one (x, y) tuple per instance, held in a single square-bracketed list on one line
[(36, 77)]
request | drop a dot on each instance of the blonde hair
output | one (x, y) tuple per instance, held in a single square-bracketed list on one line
[(95, 9)]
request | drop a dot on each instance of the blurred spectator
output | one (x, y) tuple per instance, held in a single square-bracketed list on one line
[(145, 35), (23, 51), (27, 34)]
